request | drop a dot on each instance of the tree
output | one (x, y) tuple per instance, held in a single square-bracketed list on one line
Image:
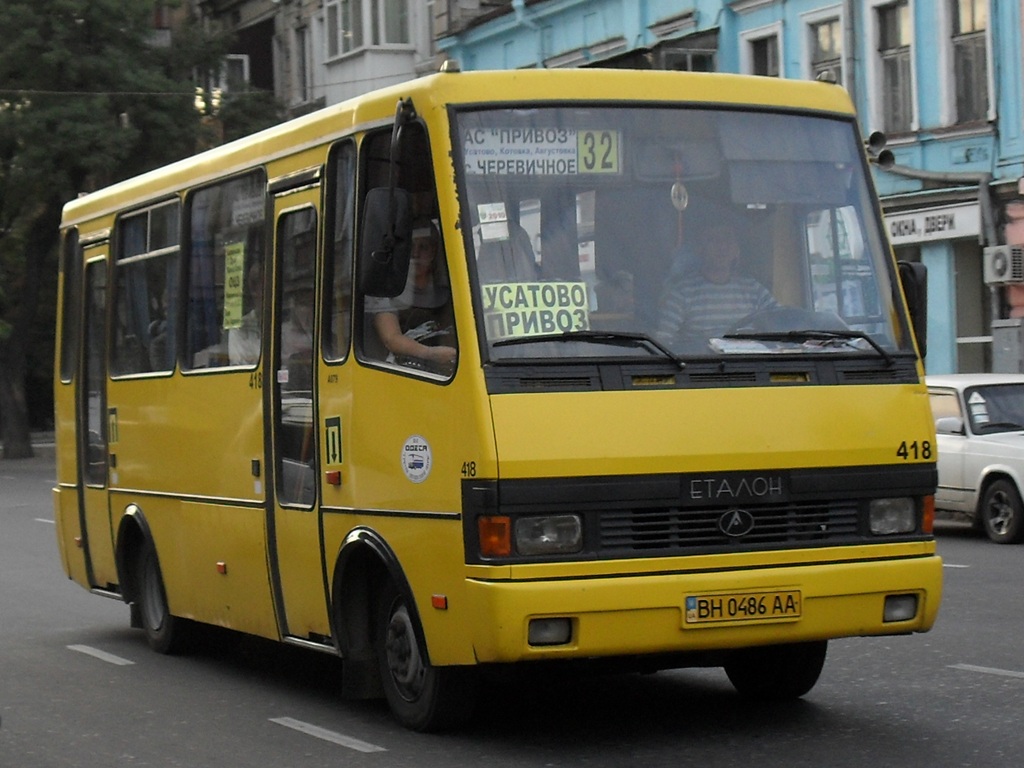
[(86, 98)]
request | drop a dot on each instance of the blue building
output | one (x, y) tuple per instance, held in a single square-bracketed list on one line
[(941, 78)]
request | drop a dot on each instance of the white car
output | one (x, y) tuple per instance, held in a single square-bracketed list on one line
[(979, 422)]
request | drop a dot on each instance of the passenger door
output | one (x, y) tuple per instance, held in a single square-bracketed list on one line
[(294, 531), (94, 435)]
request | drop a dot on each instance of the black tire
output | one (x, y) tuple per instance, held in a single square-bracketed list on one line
[(1002, 513), (777, 672), (164, 633), (421, 696)]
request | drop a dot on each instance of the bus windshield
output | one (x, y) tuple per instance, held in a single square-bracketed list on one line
[(679, 232)]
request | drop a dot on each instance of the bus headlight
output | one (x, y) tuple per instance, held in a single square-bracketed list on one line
[(891, 516), (549, 535)]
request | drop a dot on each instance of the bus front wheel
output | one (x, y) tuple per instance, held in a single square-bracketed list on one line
[(164, 633), (421, 696), (777, 672)]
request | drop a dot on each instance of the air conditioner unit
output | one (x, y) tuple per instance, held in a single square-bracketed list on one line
[(1004, 264)]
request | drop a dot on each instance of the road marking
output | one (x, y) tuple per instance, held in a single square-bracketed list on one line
[(44, 520), (323, 733), (101, 655), (954, 565), (988, 670)]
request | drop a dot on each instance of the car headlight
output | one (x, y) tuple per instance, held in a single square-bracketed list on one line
[(887, 517), (548, 535)]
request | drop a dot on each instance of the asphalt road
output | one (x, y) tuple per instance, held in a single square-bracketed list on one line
[(79, 688)]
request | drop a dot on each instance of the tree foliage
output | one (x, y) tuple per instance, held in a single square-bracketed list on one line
[(87, 97)]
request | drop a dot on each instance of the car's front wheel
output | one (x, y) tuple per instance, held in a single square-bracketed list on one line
[(1002, 513)]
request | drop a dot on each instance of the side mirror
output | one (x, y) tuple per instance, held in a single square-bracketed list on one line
[(386, 242), (914, 279), (949, 425)]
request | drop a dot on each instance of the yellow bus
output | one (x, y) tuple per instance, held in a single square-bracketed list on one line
[(496, 368)]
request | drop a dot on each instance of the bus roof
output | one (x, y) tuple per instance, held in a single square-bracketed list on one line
[(437, 91)]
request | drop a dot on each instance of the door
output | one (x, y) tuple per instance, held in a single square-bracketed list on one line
[(94, 432), (295, 527)]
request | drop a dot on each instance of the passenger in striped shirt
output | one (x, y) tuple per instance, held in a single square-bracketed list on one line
[(707, 300)]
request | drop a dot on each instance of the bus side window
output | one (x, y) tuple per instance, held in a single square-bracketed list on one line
[(340, 219), (145, 291), (293, 393), (71, 307), (415, 330), (226, 240)]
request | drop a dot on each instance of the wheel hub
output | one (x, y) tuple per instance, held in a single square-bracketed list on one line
[(152, 600), (404, 660), (1000, 513)]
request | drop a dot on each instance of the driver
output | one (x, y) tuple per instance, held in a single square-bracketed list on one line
[(406, 321), (709, 298)]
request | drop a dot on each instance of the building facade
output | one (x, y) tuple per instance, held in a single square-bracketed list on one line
[(941, 79), (311, 53)]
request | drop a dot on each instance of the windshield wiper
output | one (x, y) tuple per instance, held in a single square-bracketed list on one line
[(809, 335), (618, 338)]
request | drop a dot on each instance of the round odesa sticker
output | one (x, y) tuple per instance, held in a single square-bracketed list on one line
[(416, 458)]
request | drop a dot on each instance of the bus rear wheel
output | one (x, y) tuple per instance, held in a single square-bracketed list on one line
[(777, 672), (421, 696), (164, 633)]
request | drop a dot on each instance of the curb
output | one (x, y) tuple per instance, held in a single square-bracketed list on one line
[(44, 446)]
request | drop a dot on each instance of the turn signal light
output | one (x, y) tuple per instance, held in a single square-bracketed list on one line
[(495, 533), (928, 514)]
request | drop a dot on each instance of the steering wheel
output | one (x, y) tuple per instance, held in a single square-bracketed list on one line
[(781, 319)]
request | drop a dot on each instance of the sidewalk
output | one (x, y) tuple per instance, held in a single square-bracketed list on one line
[(43, 446)]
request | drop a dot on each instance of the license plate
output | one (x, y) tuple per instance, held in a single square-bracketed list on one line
[(743, 606)]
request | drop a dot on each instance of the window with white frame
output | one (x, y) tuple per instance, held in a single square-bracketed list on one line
[(390, 22), (344, 26), (301, 64), (760, 52), (826, 48), (970, 59), (688, 60), (764, 56), (353, 24), (234, 72), (894, 36), (332, 27), (692, 53)]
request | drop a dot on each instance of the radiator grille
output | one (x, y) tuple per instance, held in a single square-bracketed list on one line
[(666, 530)]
